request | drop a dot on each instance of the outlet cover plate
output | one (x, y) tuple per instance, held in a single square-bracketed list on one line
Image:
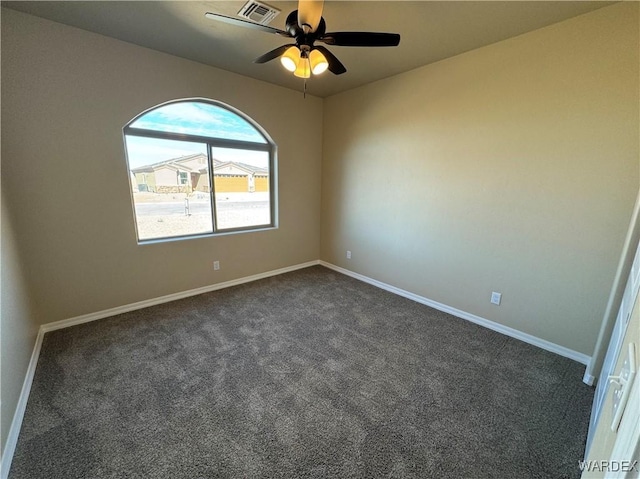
[(496, 298)]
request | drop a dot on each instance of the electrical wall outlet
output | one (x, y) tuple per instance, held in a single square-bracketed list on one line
[(348, 254), (496, 298), (216, 265)]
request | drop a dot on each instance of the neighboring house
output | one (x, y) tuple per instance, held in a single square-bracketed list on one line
[(233, 176), (177, 175), (190, 173)]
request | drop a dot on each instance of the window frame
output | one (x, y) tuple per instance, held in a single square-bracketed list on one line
[(210, 142)]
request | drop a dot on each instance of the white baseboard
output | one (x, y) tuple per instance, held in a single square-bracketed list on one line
[(588, 379), (514, 333), (86, 318), (18, 415)]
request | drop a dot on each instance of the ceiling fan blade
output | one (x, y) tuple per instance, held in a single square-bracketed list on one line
[(335, 66), (273, 54), (309, 14), (361, 39), (244, 23)]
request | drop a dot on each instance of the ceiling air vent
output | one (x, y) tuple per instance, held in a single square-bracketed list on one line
[(258, 12)]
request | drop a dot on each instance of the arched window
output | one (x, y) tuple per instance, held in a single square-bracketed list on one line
[(199, 167)]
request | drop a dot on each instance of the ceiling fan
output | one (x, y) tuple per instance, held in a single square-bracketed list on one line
[(307, 26)]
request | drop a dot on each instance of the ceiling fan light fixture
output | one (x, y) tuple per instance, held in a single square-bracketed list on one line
[(304, 68), (306, 26), (291, 58), (318, 62)]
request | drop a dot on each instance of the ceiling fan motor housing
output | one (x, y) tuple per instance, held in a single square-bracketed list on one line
[(295, 30)]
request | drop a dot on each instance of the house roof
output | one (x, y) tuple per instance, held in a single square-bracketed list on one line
[(173, 163), (256, 170), (177, 164)]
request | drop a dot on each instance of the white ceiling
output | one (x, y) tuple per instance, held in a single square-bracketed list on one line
[(430, 31)]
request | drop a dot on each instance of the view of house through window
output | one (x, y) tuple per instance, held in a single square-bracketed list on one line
[(198, 168)]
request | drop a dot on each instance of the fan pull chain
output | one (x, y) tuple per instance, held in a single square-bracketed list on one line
[(304, 92)]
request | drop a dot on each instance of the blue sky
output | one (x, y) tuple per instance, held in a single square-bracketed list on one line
[(194, 118)]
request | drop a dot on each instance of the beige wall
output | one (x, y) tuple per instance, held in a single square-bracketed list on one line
[(66, 94), (18, 320), (166, 176), (510, 168)]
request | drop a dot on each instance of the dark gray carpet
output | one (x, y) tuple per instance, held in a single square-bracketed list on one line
[(307, 374)]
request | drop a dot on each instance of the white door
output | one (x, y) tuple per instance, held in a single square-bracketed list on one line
[(626, 449), (615, 344)]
